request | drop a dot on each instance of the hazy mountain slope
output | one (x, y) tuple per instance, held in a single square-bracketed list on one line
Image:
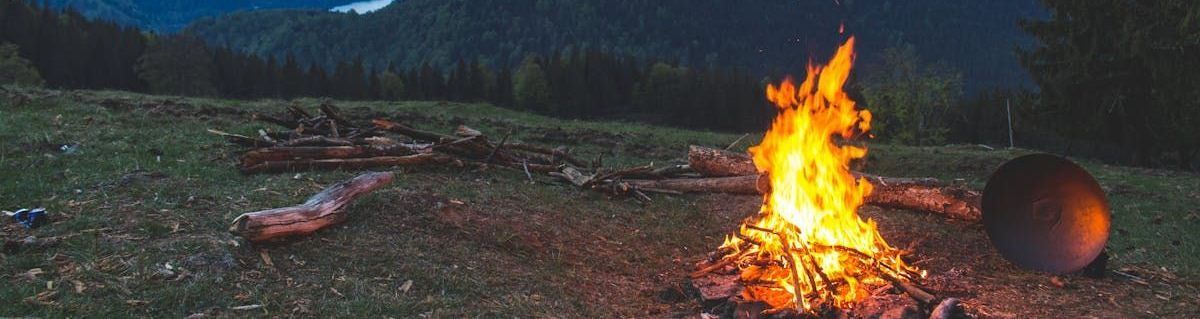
[(171, 15)]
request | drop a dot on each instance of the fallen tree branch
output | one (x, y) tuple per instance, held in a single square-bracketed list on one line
[(557, 154), (402, 129), (348, 163), (319, 211), (241, 139), (276, 154), (744, 185)]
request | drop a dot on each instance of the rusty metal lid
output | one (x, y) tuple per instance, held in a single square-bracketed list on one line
[(1045, 213)]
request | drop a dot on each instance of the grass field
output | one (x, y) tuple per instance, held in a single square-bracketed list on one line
[(141, 207)]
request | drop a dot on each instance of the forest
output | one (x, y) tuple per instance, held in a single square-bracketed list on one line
[(770, 37), (1146, 115)]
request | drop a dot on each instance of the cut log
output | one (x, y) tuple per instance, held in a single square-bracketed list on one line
[(319, 211), (348, 163), (913, 194), (466, 131), (921, 194), (926, 194), (719, 163)]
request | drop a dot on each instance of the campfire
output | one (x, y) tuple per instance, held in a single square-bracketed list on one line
[(807, 250)]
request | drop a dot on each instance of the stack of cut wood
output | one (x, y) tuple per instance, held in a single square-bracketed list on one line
[(330, 141)]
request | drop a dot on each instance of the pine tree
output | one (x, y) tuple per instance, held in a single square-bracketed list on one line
[(531, 89), (177, 65), (17, 70)]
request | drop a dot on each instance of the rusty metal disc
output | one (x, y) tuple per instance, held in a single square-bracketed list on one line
[(1045, 213)]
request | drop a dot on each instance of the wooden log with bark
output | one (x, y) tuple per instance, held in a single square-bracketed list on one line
[(326, 208), (719, 163), (921, 194)]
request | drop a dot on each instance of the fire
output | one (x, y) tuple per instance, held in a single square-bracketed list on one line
[(808, 248)]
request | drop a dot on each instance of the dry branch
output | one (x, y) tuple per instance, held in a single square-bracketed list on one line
[(319, 211), (558, 154), (241, 139), (731, 185), (276, 154), (348, 163), (405, 130)]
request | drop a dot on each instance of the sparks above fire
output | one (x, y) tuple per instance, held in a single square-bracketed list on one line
[(808, 249)]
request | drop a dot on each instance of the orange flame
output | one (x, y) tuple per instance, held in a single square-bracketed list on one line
[(822, 253)]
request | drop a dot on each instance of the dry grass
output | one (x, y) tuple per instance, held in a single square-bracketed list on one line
[(149, 188)]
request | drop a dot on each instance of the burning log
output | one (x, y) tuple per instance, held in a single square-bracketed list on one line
[(319, 211), (920, 194)]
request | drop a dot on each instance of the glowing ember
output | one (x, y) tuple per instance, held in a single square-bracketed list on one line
[(808, 248)]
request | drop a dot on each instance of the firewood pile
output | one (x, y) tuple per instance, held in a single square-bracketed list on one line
[(329, 141)]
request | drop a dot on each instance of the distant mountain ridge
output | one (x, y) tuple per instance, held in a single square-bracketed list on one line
[(977, 37), (172, 15)]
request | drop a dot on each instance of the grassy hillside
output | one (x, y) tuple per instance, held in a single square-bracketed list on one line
[(142, 206)]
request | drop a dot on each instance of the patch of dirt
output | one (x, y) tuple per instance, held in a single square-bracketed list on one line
[(961, 263)]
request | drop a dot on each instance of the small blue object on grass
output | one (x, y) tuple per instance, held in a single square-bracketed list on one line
[(30, 218)]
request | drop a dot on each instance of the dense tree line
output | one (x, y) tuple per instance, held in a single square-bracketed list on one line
[(1121, 72), (761, 37), (591, 84), (70, 51), (1116, 84)]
